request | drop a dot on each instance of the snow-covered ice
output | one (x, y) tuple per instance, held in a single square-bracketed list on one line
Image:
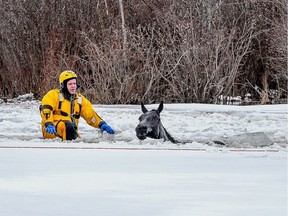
[(98, 175)]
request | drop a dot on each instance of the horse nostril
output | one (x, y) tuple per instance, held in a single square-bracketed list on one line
[(142, 129)]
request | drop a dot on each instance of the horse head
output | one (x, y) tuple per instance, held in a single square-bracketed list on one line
[(150, 125)]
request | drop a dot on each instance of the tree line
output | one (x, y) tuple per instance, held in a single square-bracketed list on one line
[(184, 51)]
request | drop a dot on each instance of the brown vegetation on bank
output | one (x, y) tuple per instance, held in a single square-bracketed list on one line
[(146, 50)]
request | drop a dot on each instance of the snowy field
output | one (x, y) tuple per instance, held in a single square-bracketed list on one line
[(103, 175)]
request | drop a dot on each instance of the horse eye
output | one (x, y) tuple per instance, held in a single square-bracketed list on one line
[(155, 118)]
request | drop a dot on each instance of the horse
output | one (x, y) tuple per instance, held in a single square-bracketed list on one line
[(150, 125)]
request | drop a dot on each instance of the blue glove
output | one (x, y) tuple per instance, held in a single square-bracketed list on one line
[(107, 128), (51, 129)]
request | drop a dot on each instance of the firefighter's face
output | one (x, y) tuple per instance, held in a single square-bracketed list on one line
[(72, 86)]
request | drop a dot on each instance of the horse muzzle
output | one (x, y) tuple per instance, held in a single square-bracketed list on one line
[(141, 131)]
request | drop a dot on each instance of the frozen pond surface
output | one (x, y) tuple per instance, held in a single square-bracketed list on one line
[(97, 176)]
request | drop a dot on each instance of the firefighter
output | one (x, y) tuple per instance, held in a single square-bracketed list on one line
[(61, 109)]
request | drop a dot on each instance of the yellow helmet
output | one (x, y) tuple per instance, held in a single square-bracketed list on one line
[(66, 75)]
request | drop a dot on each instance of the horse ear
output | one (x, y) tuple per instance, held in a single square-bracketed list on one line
[(143, 108), (160, 108)]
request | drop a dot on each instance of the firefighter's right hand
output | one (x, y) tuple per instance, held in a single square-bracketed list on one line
[(51, 129)]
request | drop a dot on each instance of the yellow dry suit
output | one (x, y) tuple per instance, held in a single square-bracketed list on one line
[(59, 111)]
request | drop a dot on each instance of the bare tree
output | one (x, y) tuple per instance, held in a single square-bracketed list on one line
[(149, 50)]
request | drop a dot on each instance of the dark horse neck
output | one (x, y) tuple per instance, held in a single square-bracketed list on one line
[(163, 134)]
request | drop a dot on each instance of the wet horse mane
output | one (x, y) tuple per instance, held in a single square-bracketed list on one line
[(150, 125)]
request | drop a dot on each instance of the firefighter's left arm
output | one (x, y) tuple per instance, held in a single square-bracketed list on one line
[(89, 114)]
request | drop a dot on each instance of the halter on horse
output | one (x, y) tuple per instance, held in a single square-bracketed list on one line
[(151, 126)]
